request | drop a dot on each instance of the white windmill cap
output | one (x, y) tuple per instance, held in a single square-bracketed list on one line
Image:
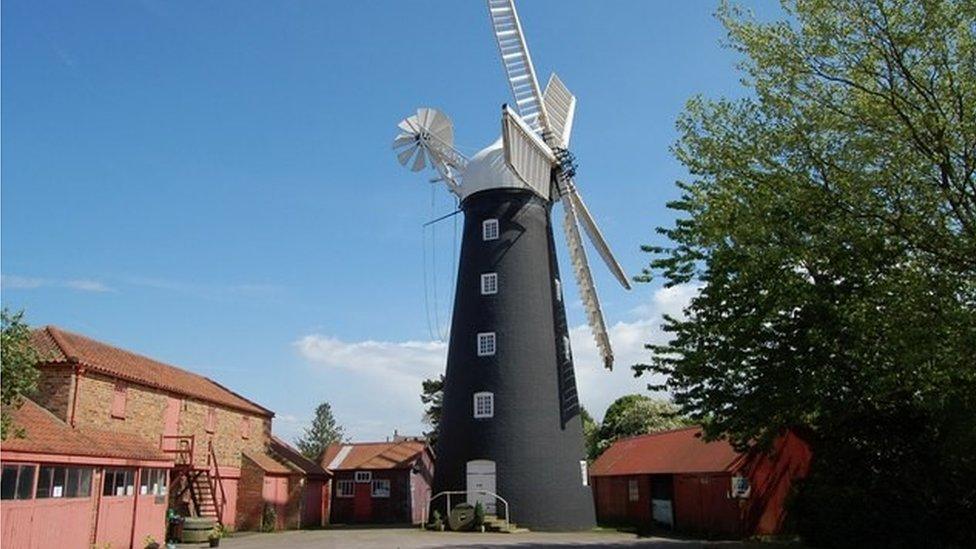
[(488, 170)]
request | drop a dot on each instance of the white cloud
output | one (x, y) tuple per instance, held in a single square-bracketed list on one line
[(30, 283), (392, 372)]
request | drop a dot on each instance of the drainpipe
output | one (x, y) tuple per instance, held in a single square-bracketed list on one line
[(97, 488), (79, 371)]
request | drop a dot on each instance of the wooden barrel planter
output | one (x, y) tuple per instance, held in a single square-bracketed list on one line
[(196, 529)]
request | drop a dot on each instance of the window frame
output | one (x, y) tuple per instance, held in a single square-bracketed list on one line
[(362, 477), (633, 490), (489, 283), (128, 484), (379, 481), (347, 483), (210, 423), (70, 487), (146, 481), (23, 484), (490, 347), (489, 406), (490, 229)]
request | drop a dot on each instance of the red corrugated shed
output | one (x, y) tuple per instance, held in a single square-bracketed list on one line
[(677, 451), (58, 346)]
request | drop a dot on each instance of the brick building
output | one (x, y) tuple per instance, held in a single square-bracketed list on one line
[(205, 433), (676, 480), (74, 487), (379, 482)]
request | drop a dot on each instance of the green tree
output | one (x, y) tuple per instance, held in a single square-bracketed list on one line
[(432, 396), (633, 415), (831, 218), (323, 431), (19, 364), (591, 433)]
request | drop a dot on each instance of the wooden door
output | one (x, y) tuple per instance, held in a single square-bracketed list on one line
[(481, 478), (362, 507)]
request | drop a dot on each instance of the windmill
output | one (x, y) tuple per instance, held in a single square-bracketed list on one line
[(510, 433)]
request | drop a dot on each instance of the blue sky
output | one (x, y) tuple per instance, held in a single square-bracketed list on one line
[(211, 184)]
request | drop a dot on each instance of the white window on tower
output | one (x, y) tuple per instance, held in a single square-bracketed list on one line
[(486, 344), (567, 352), (489, 229), (559, 289), (484, 405), (489, 283)]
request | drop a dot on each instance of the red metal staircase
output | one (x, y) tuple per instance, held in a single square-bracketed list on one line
[(203, 484)]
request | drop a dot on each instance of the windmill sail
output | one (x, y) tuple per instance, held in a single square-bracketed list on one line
[(596, 237), (560, 106), (584, 279), (518, 65), (526, 153)]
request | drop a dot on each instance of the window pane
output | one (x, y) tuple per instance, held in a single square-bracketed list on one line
[(44, 482), (130, 478), (9, 482), (108, 486), (84, 482), (71, 490), (57, 486), (26, 482)]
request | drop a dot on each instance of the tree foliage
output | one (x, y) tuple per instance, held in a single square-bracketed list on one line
[(323, 431), (591, 434), (19, 367), (432, 396), (831, 218), (633, 415)]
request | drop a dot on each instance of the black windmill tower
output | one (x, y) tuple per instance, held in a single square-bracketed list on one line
[(511, 434)]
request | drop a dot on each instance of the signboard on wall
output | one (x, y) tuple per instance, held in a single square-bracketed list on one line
[(740, 487)]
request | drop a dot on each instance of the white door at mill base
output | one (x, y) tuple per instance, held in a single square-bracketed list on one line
[(481, 477)]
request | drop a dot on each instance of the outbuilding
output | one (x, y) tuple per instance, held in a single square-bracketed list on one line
[(379, 482), (75, 487), (676, 480)]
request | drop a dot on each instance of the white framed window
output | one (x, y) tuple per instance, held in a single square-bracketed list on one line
[(381, 488), (559, 289), (489, 229), (567, 352), (345, 488), (633, 491), (585, 472), (486, 344), (489, 283), (484, 405), (364, 476)]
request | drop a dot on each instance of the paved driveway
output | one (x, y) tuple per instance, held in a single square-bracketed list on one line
[(409, 538)]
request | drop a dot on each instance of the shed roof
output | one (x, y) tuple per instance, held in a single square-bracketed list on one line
[(45, 433), (372, 455), (286, 453), (59, 346), (676, 451), (267, 463)]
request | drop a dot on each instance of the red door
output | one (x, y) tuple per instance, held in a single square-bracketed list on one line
[(171, 423), (362, 503)]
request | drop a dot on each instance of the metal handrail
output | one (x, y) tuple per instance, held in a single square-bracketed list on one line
[(179, 451), (212, 459), (448, 493)]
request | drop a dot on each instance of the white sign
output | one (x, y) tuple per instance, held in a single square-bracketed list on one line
[(585, 472), (740, 487)]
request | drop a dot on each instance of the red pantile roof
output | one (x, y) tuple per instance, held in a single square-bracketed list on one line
[(286, 453), (58, 346), (44, 433), (268, 463), (372, 455), (677, 451)]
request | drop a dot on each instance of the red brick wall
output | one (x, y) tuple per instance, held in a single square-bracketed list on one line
[(250, 498), (55, 387), (146, 407)]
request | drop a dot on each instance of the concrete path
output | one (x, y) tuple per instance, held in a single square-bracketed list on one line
[(414, 539)]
